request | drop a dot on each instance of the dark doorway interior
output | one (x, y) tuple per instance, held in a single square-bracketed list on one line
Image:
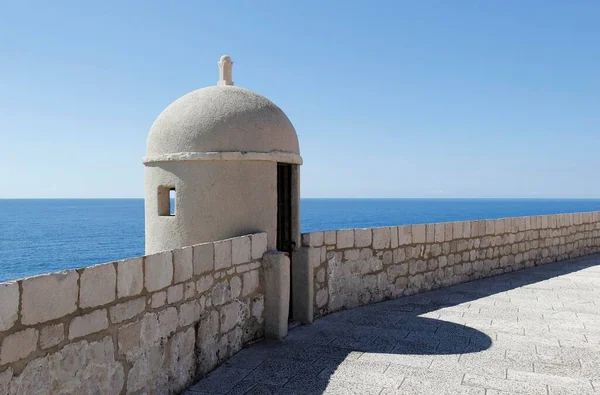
[(284, 213)]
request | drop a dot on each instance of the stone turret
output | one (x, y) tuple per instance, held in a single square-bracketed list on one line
[(224, 152)]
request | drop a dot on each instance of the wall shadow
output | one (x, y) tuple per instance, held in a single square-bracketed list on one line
[(396, 331)]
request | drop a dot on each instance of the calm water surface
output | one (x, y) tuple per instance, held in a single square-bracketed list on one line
[(41, 236)]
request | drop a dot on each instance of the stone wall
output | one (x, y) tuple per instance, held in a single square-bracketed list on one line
[(151, 324), (353, 267)]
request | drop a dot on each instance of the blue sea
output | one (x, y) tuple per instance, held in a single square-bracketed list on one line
[(47, 235)]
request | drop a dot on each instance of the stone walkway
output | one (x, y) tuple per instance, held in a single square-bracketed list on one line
[(535, 331)]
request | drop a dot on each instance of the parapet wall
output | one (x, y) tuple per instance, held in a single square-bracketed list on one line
[(151, 324), (354, 267)]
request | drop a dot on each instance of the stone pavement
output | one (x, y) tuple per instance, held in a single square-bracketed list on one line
[(535, 331)]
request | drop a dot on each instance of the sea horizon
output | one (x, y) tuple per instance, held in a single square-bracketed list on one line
[(43, 235)]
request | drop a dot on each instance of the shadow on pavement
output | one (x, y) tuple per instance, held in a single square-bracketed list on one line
[(360, 343)]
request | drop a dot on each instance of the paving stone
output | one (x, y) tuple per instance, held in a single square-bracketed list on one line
[(519, 387), (482, 337), (220, 381)]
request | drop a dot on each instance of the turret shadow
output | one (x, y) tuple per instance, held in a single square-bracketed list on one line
[(352, 342)]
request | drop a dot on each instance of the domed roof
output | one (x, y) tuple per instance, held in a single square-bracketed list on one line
[(221, 119)]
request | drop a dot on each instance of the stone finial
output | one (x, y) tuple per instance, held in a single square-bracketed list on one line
[(225, 68)]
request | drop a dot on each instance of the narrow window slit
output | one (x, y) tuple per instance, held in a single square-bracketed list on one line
[(167, 201)]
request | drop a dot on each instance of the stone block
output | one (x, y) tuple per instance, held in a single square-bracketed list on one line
[(457, 230), (448, 231), (159, 271), (467, 229), (321, 297), (235, 285), (250, 282), (363, 237), (97, 285), (345, 238), (9, 305), (430, 233), (394, 237), (127, 310), (329, 237), (232, 314), (158, 299), (130, 277), (204, 283), (183, 265), (204, 258), (222, 254), (439, 230), (189, 290), (240, 250), (418, 233), (189, 313), (18, 345), (259, 245), (221, 293), (52, 335), (129, 336), (381, 238), (49, 297), (313, 239), (405, 234), (86, 324), (175, 293)]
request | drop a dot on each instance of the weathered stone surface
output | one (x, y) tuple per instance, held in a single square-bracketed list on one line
[(258, 307), (321, 297), (94, 372), (232, 314), (221, 293), (127, 310), (313, 239), (189, 313), (235, 284), (5, 378), (18, 345), (329, 237), (345, 238), (129, 336), (222, 254), (9, 305), (204, 258), (381, 238), (181, 364), (363, 237), (183, 268), (418, 234), (405, 234), (93, 322), (159, 271), (240, 250), (175, 293), (130, 277), (250, 281), (158, 299), (189, 290), (259, 245), (204, 283), (49, 297), (51, 335), (97, 285)]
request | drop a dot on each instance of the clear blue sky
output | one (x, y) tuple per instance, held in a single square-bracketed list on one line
[(389, 99)]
